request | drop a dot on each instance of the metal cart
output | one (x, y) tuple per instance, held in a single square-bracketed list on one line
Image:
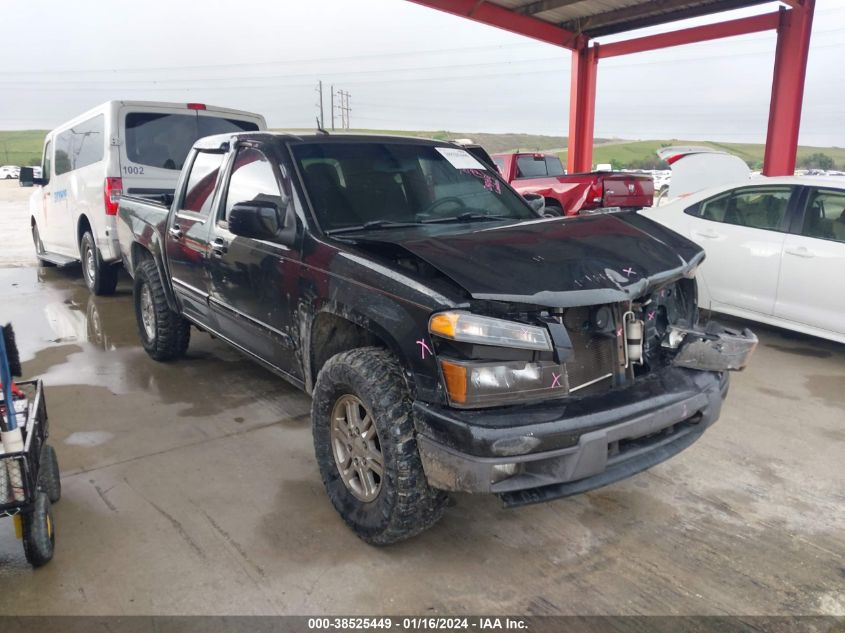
[(29, 479)]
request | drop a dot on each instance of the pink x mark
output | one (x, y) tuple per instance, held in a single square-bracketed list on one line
[(629, 271), (555, 380), (424, 348), (651, 315)]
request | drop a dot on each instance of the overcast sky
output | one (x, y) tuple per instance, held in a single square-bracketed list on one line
[(406, 67)]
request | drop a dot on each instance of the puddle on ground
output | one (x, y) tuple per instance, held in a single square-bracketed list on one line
[(830, 389), (88, 438)]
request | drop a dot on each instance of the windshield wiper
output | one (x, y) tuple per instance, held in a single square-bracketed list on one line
[(470, 216), (372, 225)]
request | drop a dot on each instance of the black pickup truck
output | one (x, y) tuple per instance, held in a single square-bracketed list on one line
[(452, 338)]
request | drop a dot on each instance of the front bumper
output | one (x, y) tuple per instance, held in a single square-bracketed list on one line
[(556, 449)]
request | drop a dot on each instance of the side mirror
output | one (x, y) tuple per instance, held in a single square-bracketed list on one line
[(260, 220), (535, 201), (26, 178)]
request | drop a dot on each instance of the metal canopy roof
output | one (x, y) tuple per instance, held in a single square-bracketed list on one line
[(595, 18)]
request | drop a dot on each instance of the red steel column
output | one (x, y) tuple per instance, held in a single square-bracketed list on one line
[(582, 108), (793, 45)]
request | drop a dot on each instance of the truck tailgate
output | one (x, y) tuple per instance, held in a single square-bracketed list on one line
[(627, 190)]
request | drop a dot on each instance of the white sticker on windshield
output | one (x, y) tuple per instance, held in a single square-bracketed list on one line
[(459, 158)]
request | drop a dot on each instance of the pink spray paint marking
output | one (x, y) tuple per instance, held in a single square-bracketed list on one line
[(651, 315), (555, 380), (424, 348), (629, 271)]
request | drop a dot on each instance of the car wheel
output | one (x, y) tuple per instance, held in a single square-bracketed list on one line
[(366, 448), (39, 537), (553, 209), (165, 335), (39, 248), (49, 479), (101, 278)]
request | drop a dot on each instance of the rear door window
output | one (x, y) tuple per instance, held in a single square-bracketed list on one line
[(758, 208), (825, 217), (164, 140)]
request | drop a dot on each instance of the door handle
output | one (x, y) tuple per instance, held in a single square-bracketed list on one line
[(219, 247), (799, 251), (710, 235), (175, 232)]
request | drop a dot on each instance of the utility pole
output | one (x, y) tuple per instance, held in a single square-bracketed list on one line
[(332, 108), (344, 108), (319, 90)]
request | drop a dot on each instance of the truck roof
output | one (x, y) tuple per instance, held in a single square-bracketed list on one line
[(214, 142)]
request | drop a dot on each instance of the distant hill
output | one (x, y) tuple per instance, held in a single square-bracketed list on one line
[(24, 147), (21, 147)]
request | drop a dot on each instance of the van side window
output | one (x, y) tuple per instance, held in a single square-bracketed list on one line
[(81, 145), (252, 178), (203, 177), (46, 163)]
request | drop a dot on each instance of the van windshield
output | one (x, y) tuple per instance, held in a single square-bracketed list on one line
[(383, 185), (164, 140)]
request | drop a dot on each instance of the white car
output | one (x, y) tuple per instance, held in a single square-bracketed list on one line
[(9, 172), (134, 147), (775, 250)]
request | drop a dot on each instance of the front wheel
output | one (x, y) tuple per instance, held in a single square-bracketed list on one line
[(165, 335), (101, 278), (366, 448)]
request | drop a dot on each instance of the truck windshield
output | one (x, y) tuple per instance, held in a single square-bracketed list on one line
[(164, 140), (385, 185)]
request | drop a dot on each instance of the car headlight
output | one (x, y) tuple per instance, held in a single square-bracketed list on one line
[(497, 378), (473, 384), (473, 328)]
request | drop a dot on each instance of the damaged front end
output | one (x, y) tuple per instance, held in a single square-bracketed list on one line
[(716, 348), (548, 402)]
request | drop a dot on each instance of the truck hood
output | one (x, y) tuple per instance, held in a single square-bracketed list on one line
[(559, 262)]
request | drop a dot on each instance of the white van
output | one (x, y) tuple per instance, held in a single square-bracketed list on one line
[(136, 147)]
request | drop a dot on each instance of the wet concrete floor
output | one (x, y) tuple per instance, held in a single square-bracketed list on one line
[(191, 488)]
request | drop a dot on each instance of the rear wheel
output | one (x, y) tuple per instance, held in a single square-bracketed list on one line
[(366, 448), (39, 537), (553, 209), (165, 335), (101, 278)]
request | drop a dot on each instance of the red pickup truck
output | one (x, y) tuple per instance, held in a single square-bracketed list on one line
[(570, 194)]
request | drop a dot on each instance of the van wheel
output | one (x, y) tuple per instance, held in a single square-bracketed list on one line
[(39, 248), (164, 333), (366, 448), (101, 278)]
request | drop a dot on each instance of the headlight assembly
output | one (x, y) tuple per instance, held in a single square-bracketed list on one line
[(497, 378), (473, 328)]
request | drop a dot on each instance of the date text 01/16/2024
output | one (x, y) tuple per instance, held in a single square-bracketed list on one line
[(417, 623)]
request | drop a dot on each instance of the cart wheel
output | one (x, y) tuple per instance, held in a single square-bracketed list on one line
[(39, 538), (48, 476)]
